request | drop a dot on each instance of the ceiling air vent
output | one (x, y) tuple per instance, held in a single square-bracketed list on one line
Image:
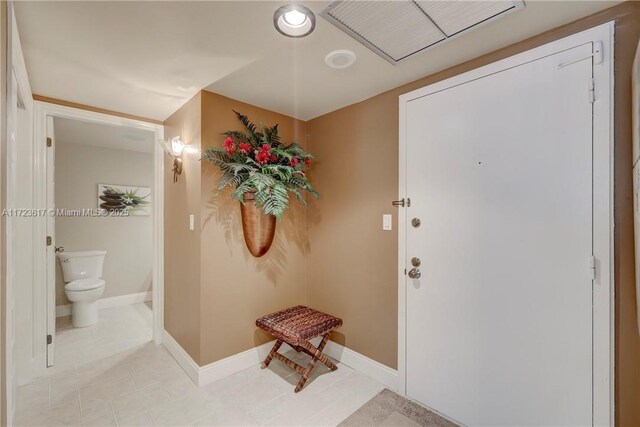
[(397, 30)]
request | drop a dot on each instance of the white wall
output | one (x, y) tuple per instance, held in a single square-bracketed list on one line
[(128, 241)]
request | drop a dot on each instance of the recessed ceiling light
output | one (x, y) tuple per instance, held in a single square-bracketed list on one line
[(294, 20), (341, 58)]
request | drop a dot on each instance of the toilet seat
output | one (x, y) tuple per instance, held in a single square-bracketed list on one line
[(84, 284)]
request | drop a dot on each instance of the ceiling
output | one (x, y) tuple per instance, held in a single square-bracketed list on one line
[(68, 131), (149, 58)]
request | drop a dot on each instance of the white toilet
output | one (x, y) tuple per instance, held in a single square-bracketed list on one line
[(82, 272)]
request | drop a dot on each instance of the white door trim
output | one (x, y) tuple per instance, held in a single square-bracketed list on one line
[(42, 111), (603, 299), (18, 89)]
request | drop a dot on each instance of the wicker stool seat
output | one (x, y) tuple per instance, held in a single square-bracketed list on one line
[(297, 326)]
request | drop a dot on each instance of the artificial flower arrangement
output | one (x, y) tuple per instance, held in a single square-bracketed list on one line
[(257, 164)]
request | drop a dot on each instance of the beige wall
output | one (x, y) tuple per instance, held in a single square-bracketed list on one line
[(182, 246), (214, 289), (237, 288), (128, 241), (348, 221), (353, 262)]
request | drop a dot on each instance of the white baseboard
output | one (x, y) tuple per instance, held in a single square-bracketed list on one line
[(182, 357), (361, 363), (124, 300), (65, 310), (232, 364), (203, 375)]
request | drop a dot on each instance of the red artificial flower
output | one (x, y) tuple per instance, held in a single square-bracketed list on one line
[(294, 162), (243, 147), (264, 154), (274, 158), (307, 161), (230, 146)]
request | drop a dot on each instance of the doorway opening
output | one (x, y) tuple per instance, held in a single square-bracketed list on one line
[(83, 153), (103, 233), (115, 257)]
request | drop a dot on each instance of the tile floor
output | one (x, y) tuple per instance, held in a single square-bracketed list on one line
[(118, 329), (128, 384)]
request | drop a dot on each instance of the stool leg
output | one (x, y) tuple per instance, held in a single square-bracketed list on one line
[(310, 350), (272, 353), (318, 355)]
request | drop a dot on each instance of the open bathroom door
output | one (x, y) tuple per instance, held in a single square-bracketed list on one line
[(51, 238)]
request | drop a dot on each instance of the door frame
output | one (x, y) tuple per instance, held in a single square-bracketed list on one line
[(603, 219), (42, 111), (18, 90)]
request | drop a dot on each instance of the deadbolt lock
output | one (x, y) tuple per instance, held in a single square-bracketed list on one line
[(415, 261), (415, 222)]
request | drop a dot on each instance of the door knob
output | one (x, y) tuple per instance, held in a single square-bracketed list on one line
[(414, 273)]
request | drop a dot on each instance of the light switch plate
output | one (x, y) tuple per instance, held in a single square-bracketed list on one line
[(192, 222), (386, 222)]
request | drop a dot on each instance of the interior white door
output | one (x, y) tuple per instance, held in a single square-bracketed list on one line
[(499, 171), (51, 240)]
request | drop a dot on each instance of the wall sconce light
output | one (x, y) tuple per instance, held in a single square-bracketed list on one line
[(177, 148)]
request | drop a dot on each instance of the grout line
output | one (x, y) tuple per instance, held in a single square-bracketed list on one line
[(49, 394), (80, 406), (149, 417), (269, 420), (113, 412), (135, 386), (199, 419)]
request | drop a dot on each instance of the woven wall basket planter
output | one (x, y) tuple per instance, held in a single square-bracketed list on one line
[(258, 228)]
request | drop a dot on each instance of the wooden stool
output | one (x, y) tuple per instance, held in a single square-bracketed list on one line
[(297, 326)]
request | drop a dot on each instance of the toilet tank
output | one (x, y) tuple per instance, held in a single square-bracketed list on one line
[(81, 264)]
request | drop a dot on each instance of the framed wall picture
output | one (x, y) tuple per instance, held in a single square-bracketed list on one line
[(123, 198)]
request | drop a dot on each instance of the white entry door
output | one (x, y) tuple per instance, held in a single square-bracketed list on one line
[(499, 173)]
